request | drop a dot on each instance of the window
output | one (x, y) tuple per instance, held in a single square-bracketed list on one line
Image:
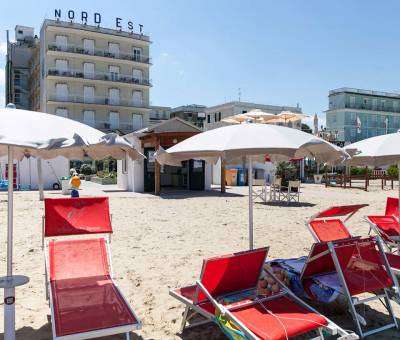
[(137, 98), (62, 112), (219, 116), (244, 111), (88, 117), (113, 49), (114, 120), (61, 65), (137, 54), (88, 46), (88, 94), (383, 102), (113, 96), (395, 105), (208, 119), (114, 72), (62, 92), (352, 101), (137, 121), (88, 70), (374, 103), (137, 75), (61, 42)]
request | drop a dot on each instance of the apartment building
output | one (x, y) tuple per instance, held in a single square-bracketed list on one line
[(158, 114), (356, 114), (18, 66), (91, 74), (194, 114), (214, 114)]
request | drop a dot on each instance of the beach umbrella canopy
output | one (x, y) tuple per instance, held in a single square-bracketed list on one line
[(260, 115), (251, 140), (376, 151), (47, 136), (30, 133), (237, 119)]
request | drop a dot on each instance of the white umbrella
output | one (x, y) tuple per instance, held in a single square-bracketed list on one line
[(235, 141), (30, 133), (376, 151)]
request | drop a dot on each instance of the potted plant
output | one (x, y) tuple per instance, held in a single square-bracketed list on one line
[(86, 169), (287, 172)]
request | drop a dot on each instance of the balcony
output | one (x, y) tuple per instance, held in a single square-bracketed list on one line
[(104, 76), (99, 53), (77, 99), (108, 125)]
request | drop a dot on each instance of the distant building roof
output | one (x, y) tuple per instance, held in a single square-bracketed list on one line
[(364, 92), (254, 105)]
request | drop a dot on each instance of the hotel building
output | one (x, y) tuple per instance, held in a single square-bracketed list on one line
[(356, 114), (214, 114), (94, 75)]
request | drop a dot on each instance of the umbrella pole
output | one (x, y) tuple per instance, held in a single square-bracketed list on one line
[(40, 178), (9, 292), (250, 178)]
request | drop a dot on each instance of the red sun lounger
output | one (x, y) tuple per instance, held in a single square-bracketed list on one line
[(361, 267), (85, 301), (227, 289), (388, 226)]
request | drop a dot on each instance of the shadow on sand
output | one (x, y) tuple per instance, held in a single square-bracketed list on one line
[(183, 194), (285, 204)]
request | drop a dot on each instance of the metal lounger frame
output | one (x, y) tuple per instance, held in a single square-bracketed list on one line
[(352, 302), (331, 327)]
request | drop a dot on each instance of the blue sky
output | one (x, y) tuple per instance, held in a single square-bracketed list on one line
[(278, 52)]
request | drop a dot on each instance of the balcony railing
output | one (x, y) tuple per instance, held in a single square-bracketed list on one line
[(95, 100), (100, 53), (109, 76), (108, 125)]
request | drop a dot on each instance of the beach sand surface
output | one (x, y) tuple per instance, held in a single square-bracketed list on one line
[(159, 243)]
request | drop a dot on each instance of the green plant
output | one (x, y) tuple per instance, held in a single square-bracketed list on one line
[(360, 171), (287, 171), (86, 169), (393, 171)]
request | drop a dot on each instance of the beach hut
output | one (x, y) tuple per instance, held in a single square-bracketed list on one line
[(147, 175)]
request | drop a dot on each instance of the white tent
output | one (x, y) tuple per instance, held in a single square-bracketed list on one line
[(376, 151), (235, 141), (29, 133)]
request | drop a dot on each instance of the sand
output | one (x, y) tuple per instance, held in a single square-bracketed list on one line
[(159, 243)]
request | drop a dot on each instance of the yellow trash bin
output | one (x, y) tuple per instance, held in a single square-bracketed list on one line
[(231, 177)]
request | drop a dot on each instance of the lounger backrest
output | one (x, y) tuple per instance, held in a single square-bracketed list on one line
[(359, 259), (74, 259), (392, 207), (386, 226), (362, 265), (232, 273), (329, 230), (75, 216)]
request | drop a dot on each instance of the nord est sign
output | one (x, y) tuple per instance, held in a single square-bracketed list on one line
[(96, 18)]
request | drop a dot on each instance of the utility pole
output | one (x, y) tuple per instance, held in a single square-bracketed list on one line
[(239, 93)]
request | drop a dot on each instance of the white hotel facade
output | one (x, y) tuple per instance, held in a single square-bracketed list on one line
[(94, 75)]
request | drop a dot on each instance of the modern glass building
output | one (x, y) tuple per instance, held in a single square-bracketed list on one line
[(356, 114)]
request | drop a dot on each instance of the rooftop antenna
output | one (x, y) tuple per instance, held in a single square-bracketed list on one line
[(239, 93)]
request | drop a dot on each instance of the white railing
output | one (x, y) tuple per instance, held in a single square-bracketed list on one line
[(105, 76), (100, 53), (71, 98)]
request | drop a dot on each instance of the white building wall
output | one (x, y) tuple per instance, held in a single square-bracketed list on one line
[(27, 176)]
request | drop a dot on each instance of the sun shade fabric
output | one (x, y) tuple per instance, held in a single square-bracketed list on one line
[(190, 293), (84, 296), (75, 216), (392, 207), (279, 318), (329, 230), (375, 151), (359, 259), (232, 273), (48, 136), (234, 141), (342, 210), (394, 260)]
